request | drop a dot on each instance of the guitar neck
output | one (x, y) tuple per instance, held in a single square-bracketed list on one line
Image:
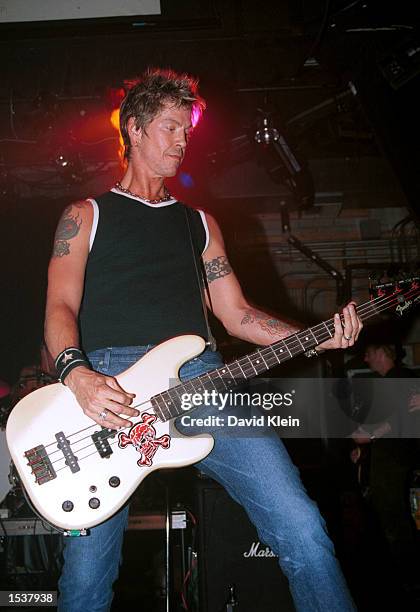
[(168, 404)]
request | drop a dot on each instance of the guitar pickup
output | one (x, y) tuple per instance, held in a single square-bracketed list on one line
[(70, 458), (40, 464), (100, 440)]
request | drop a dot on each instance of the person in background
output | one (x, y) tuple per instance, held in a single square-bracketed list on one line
[(393, 455)]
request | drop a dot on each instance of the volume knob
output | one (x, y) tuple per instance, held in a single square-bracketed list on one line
[(94, 503)]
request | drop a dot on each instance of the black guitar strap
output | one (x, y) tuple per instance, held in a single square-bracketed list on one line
[(202, 283)]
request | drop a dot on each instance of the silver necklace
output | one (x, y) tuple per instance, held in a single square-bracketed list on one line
[(164, 198)]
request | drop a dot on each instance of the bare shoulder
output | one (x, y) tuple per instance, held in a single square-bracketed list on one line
[(81, 211), (73, 227), (211, 222), (215, 234)]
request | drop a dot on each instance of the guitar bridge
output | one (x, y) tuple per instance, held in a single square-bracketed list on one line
[(40, 464)]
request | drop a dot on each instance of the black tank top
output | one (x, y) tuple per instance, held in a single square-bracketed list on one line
[(141, 285)]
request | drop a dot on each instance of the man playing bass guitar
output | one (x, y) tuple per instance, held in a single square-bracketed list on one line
[(121, 280)]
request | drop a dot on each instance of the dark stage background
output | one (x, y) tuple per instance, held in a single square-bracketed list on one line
[(338, 80)]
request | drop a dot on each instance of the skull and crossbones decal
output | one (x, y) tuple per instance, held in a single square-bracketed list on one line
[(143, 437)]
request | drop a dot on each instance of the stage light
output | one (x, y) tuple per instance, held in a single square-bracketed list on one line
[(115, 122), (195, 115), (115, 119)]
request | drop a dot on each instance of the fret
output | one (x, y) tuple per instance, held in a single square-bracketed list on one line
[(187, 384), (232, 378), (258, 362), (168, 414), (187, 388), (319, 332), (210, 379), (170, 403), (328, 329), (307, 340), (313, 335), (199, 381), (161, 395), (252, 365), (220, 379), (270, 356), (285, 344), (271, 346), (236, 370), (228, 374), (157, 409), (166, 400), (179, 410), (240, 367), (247, 367), (173, 405), (261, 355), (173, 390), (176, 403), (226, 370), (223, 373), (303, 348)]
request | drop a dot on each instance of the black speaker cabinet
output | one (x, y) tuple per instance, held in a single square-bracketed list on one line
[(230, 553)]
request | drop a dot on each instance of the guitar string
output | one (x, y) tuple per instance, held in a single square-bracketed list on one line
[(115, 442), (390, 299), (362, 310), (92, 426), (364, 307)]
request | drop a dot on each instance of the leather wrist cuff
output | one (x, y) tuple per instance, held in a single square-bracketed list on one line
[(69, 359)]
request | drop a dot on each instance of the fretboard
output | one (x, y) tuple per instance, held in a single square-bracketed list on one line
[(168, 405)]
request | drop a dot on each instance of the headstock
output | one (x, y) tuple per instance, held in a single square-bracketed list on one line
[(397, 294)]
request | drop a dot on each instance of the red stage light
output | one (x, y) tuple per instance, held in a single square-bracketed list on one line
[(115, 122), (195, 115)]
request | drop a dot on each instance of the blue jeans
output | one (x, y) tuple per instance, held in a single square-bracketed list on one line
[(257, 473)]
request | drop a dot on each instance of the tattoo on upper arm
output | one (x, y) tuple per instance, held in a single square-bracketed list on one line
[(270, 325), (217, 268), (68, 227)]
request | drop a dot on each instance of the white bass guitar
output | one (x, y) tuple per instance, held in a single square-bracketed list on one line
[(78, 474)]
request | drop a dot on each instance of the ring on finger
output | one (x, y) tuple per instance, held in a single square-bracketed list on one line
[(348, 337), (102, 415)]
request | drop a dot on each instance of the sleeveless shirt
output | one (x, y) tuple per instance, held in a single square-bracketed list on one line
[(141, 284)]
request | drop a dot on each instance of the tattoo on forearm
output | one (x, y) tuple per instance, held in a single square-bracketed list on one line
[(217, 268), (270, 325), (68, 227)]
